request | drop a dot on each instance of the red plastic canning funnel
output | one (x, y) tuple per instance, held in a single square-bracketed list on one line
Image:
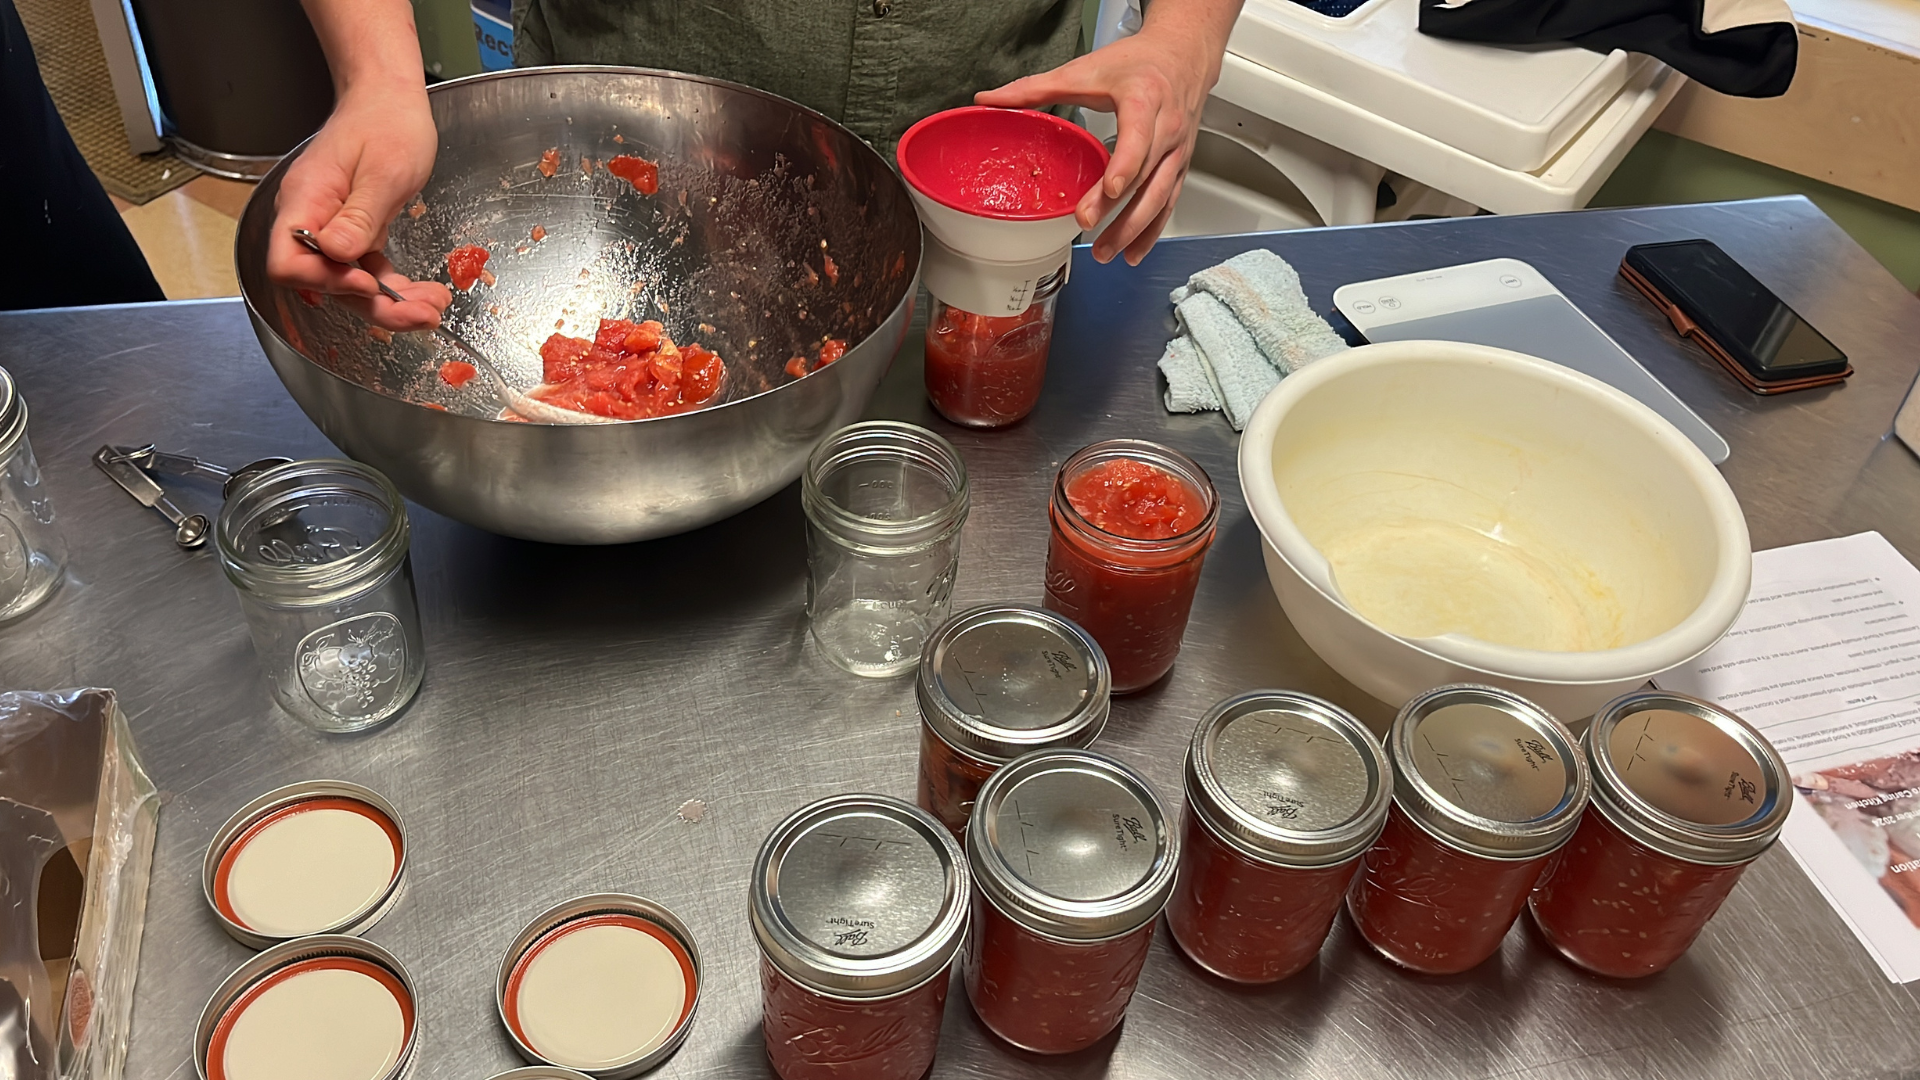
[(1005, 164)]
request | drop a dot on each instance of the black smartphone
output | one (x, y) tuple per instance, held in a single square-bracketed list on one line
[(1737, 317)]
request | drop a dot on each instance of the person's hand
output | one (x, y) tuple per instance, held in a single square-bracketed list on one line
[(1155, 83), (374, 153)]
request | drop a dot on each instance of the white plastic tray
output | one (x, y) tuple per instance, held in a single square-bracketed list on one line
[(1514, 107)]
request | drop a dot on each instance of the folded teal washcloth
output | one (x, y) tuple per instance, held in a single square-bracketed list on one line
[(1239, 374), (1264, 293), (1190, 386), (1246, 325)]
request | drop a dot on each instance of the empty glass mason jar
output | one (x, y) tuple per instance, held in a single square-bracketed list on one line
[(32, 552), (319, 553), (885, 502)]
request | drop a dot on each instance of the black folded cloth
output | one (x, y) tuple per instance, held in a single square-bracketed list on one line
[(1742, 47)]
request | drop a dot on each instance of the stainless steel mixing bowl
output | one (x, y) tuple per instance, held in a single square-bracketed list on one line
[(756, 194)]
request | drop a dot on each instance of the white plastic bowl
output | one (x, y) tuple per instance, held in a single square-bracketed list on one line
[(1519, 523)]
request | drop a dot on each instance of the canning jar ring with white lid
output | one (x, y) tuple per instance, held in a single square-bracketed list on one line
[(237, 991), (285, 800), (550, 924)]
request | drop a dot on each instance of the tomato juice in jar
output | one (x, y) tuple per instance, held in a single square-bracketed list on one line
[(1073, 859), (1284, 793), (986, 371), (1685, 795), (997, 682), (1487, 786), (859, 903), (1131, 524)]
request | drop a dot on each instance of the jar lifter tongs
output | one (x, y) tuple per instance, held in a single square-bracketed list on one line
[(129, 467)]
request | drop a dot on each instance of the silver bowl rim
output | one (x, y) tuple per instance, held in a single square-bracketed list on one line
[(278, 173)]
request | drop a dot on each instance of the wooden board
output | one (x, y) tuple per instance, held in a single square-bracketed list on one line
[(1849, 118)]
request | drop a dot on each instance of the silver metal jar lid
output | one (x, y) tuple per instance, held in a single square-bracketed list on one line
[(239, 990), (540, 1072), (1287, 778), (999, 681), (13, 413), (860, 896), (1687, 778), (566, 915), (1073, 845), (1487, 771), (276, 804)]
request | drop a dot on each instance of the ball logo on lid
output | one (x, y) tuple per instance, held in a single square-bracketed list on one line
[(1489, 762), (1686, 766), (1077, 851), (857, 922)]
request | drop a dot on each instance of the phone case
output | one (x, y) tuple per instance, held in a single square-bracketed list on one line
[(1687, 328)]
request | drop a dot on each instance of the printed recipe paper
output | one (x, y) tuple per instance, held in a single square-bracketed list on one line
[(1825, 661)]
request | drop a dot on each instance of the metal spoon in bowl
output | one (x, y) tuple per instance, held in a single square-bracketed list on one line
[(513, 399)]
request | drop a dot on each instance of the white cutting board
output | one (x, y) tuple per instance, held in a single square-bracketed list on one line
[(1507, 304), (1514, 106)]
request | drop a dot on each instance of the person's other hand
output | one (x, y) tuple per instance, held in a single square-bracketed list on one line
[(374, 153), (1155, 83)]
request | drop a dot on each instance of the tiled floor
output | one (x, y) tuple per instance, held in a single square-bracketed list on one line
[(187, 236)]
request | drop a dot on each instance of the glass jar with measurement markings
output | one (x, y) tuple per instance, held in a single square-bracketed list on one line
[(1685, 795), (319, 553), (1073, 859), (858, 903), (986, 371), (33, 554), (997, 682), (1284, 793), (1486, 787)]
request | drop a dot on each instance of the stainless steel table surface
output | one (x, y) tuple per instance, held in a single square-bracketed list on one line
[(575, 698)]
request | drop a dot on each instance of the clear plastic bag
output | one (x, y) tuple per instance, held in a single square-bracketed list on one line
[(77, 820)]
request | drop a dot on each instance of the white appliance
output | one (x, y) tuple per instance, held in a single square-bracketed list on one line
[(1337, 105)]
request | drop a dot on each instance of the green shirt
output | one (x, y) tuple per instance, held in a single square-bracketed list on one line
[(874, 65)]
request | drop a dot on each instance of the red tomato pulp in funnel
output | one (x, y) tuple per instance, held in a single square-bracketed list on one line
[(1010, 164)]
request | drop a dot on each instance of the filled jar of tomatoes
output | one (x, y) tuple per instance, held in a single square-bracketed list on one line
[(1131, 524), (986, 371), (859, 903), (997, 682), (1073, 859), (1486, 787), (1284, 793), (1685, 795)]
